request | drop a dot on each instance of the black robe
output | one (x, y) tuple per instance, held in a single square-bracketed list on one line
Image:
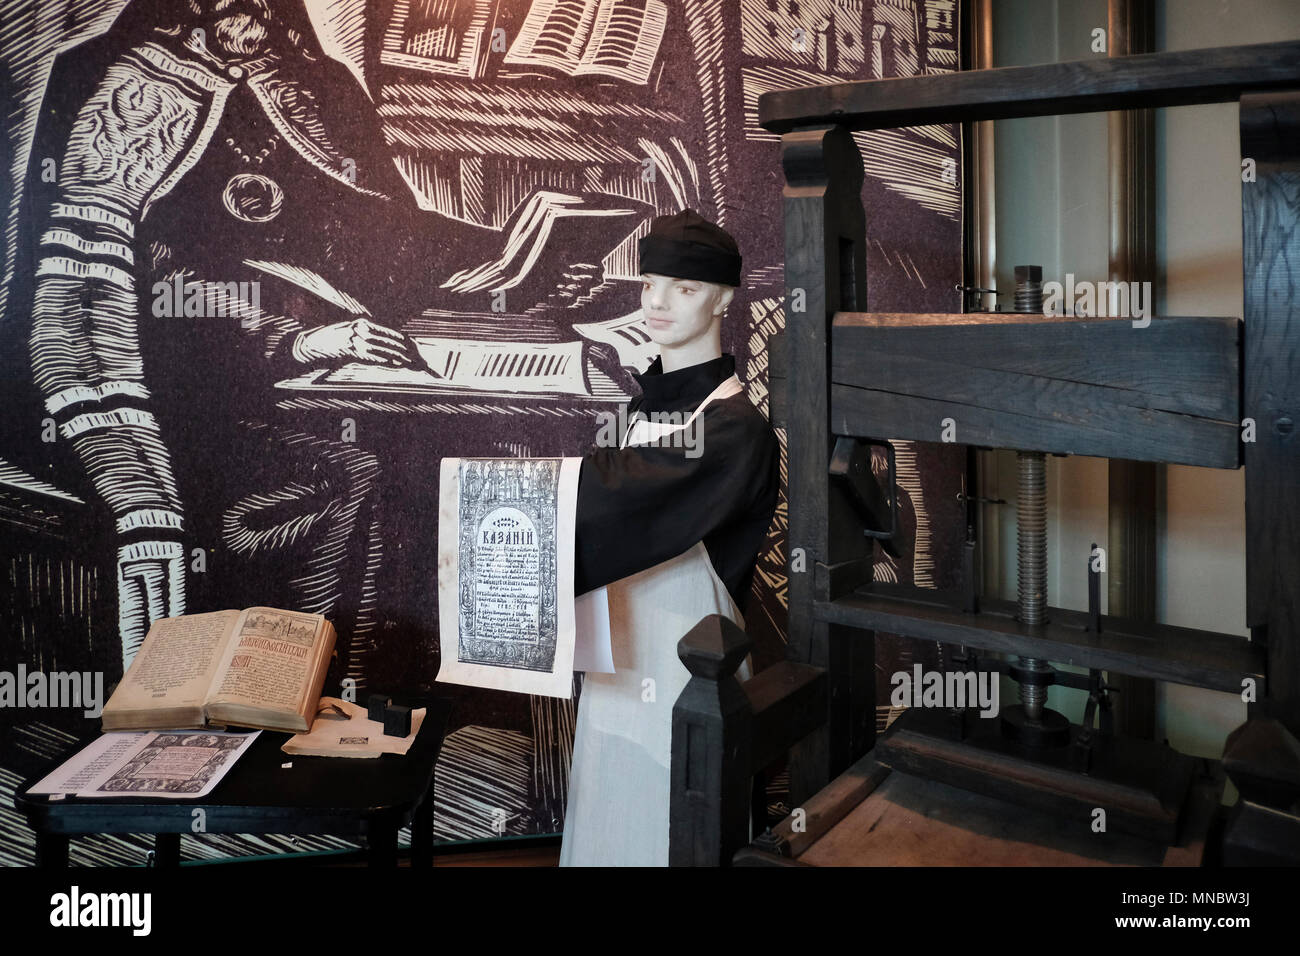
[(640, 506)]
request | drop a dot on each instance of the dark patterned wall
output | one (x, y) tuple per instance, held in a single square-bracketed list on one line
[(266, 266)]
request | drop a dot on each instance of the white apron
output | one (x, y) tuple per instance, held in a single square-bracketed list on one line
[(617, 812)]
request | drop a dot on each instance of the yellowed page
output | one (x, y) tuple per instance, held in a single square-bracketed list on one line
[(175, 666), (506, 529), (269, 659)]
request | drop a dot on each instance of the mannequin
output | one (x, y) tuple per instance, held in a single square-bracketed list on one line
[(671, 530)]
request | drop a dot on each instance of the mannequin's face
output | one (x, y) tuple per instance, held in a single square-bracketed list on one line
[(679, 312)]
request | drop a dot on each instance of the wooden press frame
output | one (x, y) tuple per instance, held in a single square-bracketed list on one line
[(1173, 392)]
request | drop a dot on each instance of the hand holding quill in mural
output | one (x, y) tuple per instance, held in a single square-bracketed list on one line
[(360, 339)]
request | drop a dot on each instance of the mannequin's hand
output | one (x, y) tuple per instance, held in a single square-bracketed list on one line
[(358, 340), (150, 585)]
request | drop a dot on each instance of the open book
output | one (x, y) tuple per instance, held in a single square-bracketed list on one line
[(618, 38), (258, 667)]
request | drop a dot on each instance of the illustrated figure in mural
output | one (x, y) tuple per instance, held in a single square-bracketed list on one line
[(162, 153), (225, 214), (674, 535)]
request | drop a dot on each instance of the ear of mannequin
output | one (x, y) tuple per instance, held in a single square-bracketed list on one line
[(684, 317)]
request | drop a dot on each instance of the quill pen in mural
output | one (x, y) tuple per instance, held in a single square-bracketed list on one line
[(457, 363), (505, 573), (311, 281), (554, 368), (320, 287), (545, 368)]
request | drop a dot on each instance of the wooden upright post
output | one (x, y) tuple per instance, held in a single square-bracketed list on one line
[(1270, 223), (709, 807), (825, 272)]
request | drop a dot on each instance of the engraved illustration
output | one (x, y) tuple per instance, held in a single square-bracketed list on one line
[(507, 569), (279, 627), (267, 262), (174, 763)]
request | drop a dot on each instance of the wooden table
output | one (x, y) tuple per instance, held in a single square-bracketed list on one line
[(340, 796)]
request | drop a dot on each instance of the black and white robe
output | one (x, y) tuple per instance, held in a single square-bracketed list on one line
[(673, 534)]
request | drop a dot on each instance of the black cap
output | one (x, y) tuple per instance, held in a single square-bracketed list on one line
[(685, 245)]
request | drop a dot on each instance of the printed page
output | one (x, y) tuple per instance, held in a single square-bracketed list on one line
[(268, 660), (93, 763), (176, 664), (173, 765), (506, 531), (150, 764)]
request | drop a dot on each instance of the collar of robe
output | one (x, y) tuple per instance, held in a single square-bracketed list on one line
[(686, 386)]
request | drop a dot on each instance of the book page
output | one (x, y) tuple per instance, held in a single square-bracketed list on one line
[(93, 763), (625, 41), (445, 36), (506, 530), (555, 368), (148, 764), (176, 664), (269, 659), (554, 33)]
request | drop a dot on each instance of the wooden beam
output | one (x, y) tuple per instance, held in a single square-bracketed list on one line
[(832, 804), (1142, 785), (825, 268), (1166, 392), (1143, 648), (1173, 78), (788, 702)]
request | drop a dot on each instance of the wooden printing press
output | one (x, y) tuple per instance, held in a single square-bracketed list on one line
[(944, 786)]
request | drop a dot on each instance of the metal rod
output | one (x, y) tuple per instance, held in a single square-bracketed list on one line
[(1031, 519), (1132, 485)]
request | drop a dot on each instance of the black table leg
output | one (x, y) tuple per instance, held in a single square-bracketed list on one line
[(51, 850), (422, 832), (167, 851), (381, 835)]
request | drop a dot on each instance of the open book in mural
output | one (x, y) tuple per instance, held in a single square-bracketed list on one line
[(267, 263)]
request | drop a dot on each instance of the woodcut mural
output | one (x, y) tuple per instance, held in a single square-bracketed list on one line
[(268, 261)]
